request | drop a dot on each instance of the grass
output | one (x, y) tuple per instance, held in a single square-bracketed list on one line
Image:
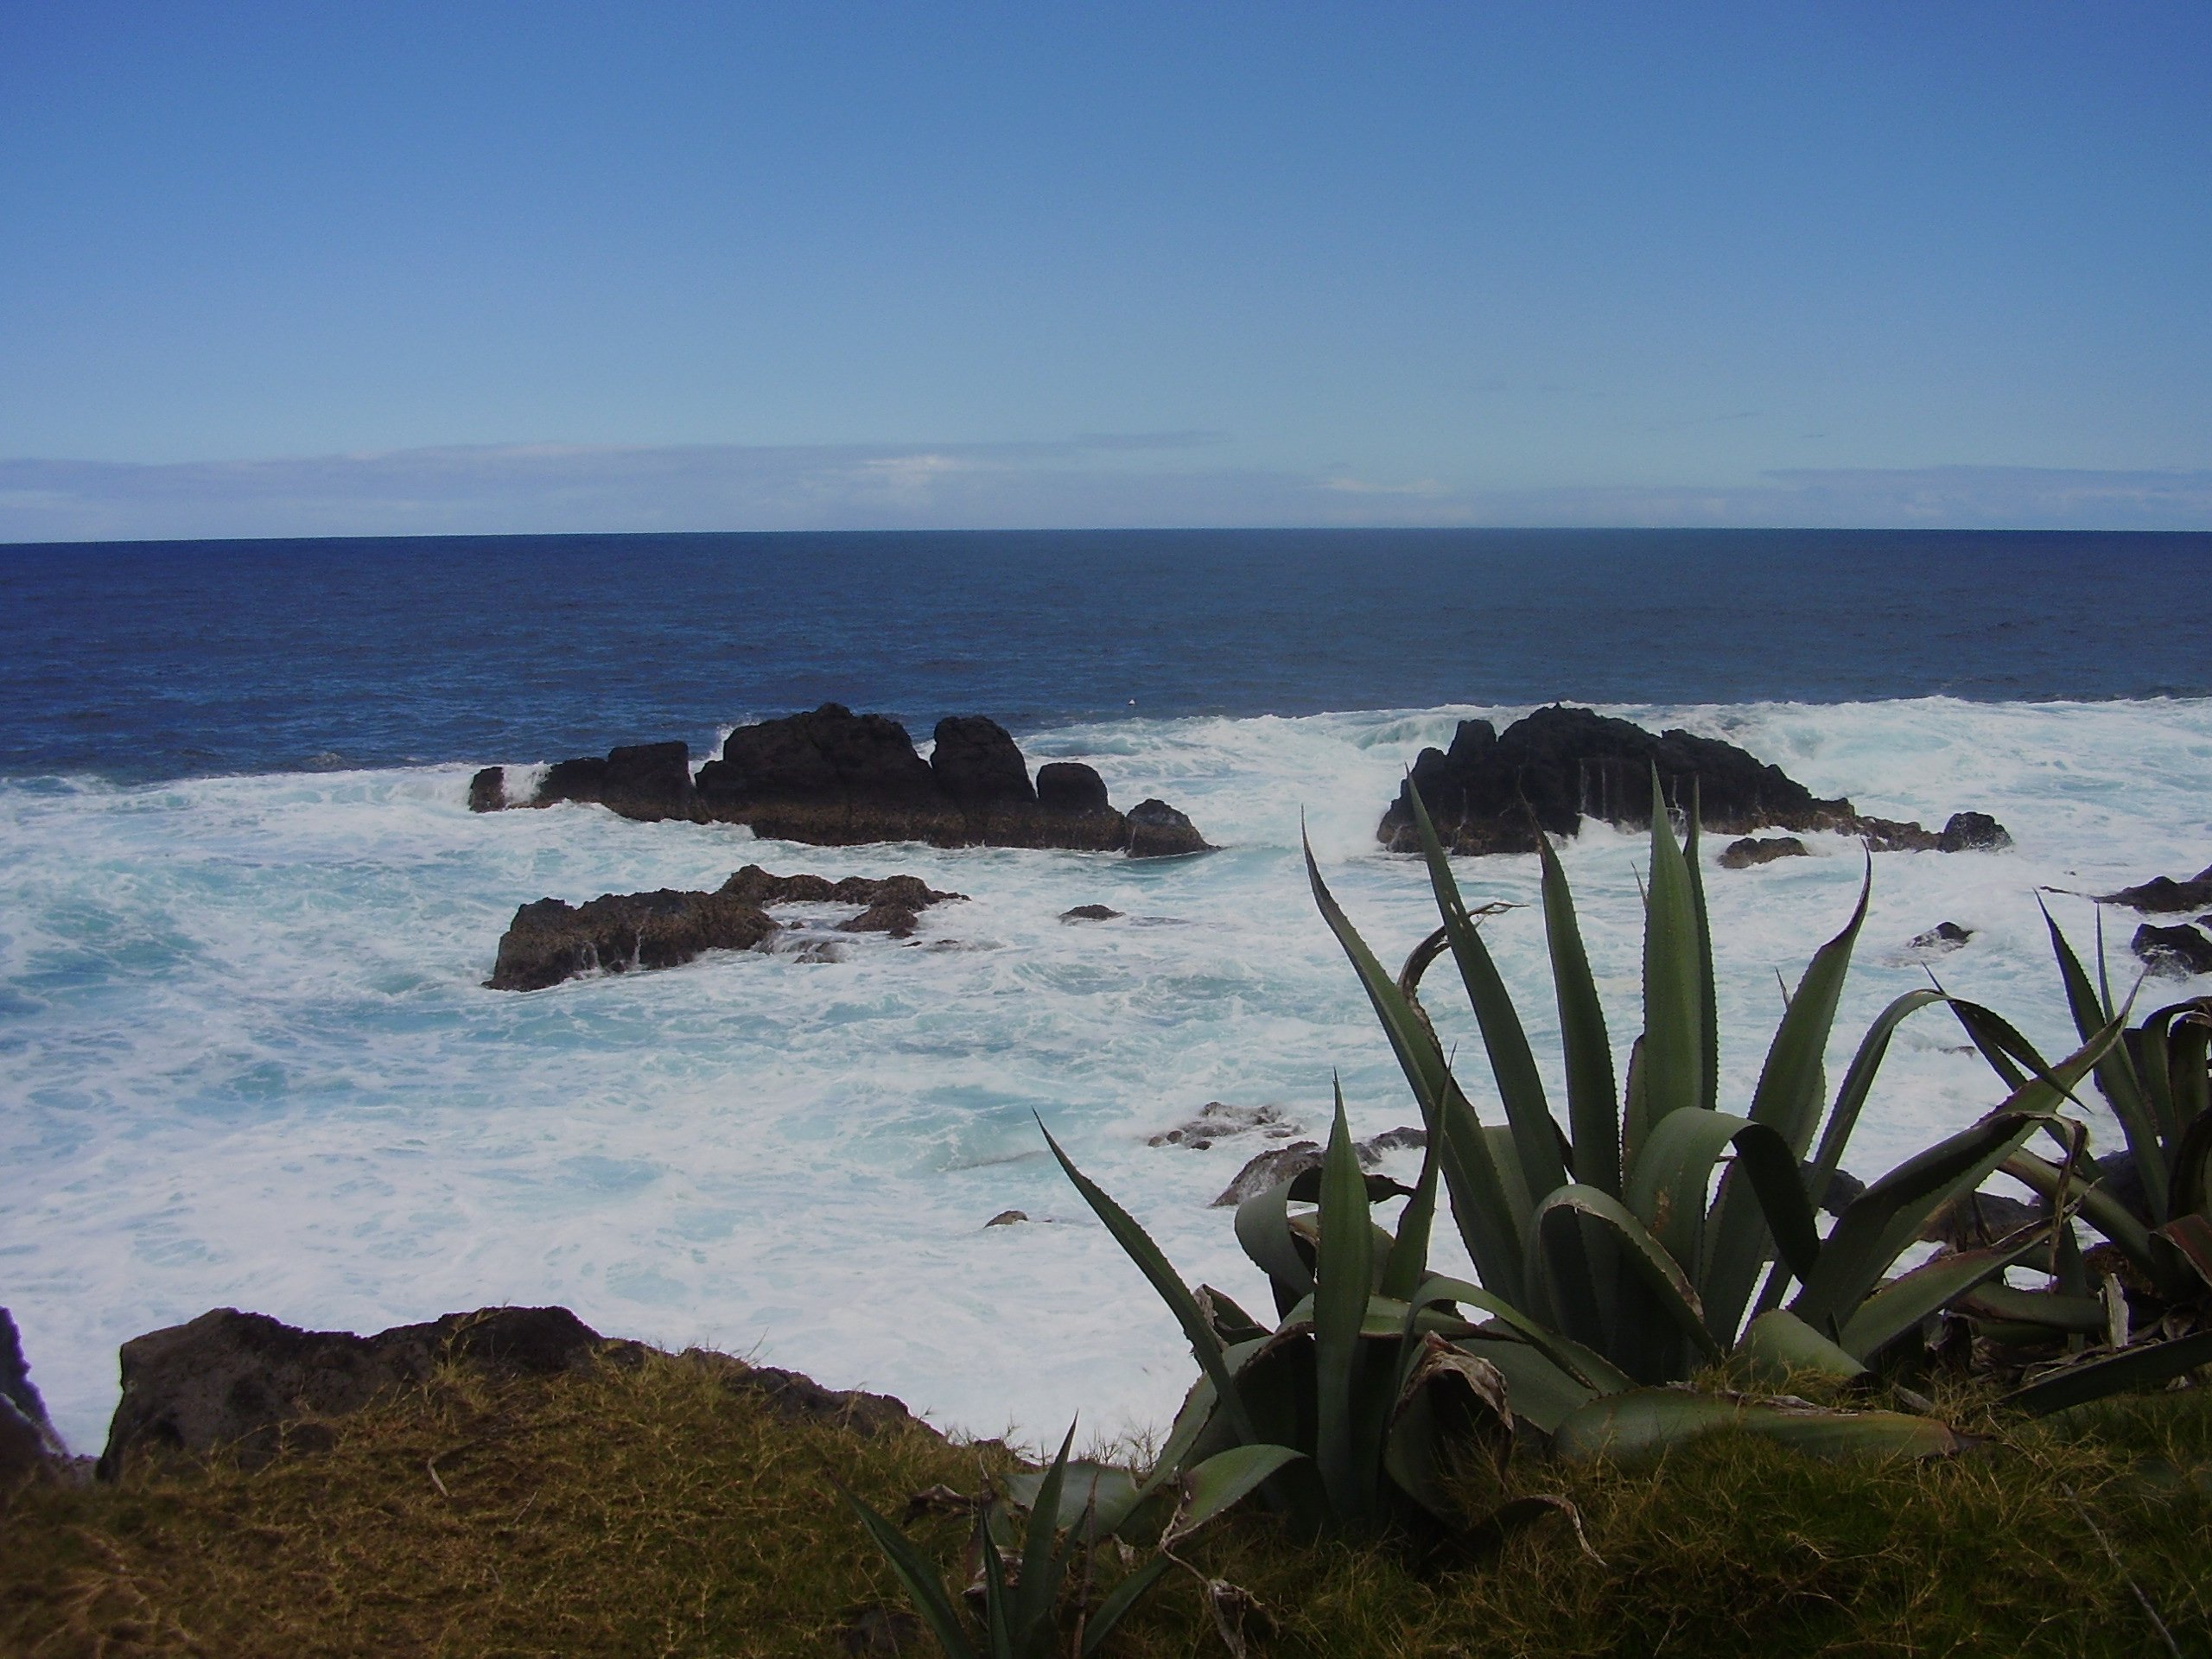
[(650, 1510)]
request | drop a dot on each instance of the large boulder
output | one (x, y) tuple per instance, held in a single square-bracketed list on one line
[(551, 940), (1070, 787), (978, 765), (1495, 792), (2180, 951), (1157, 831), (243, 1380), (647, 781), (487, 790), (830, 777)]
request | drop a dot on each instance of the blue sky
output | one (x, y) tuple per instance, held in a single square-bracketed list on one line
[(287, 269)]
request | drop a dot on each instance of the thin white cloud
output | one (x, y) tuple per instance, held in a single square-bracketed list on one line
[(1100, 481)]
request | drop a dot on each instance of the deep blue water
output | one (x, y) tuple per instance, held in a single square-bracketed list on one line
[(147, 660)]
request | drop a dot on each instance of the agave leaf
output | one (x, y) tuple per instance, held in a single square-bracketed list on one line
[(1450, 1398), (1708, 1021), (1479, 1205), (1520, 1090), (1858, 1080), (1118, 1601), (1263, 1229), (1537, 1389), (1778, 1343), (1905, 1301), (1220, 1482), (1787, 1083), (1674, 1043), (917, 1577), (1105, 1491), (2081, 1315), (2000, 1043), (1592, 1098), (2115, 1073), (1859, 1250), (1036, 1583), (1643, 1421), (1137, 1243), (996, 1602), (2191, 1193), (2191, 1237), (2154, 1069), (2144, 1366), (1667, 1188), (2094, 1201), (1343, 1452), (1407, 1264), (1182, 1435), (1635, 1103), (1646, 1258), (1590, 1368)]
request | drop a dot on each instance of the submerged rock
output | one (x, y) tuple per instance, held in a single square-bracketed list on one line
[(551, 940), (1972, 832), (1742, 855), (2178, 951), (1944, 936), (2162, 894), (832, 778), (1492, 793), (1089, 913), (1217, 1120)]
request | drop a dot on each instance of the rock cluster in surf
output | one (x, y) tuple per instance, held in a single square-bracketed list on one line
[(1495, 792), (551, 940), (831, 778)]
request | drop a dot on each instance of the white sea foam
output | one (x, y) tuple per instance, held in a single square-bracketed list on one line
[(248, 1059)]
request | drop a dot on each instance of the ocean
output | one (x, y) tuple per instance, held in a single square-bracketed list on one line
[(246, 1058)]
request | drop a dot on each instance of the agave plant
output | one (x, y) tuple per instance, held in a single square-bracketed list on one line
[(2157, 1324), (1019, 1592), (1611, 1233)]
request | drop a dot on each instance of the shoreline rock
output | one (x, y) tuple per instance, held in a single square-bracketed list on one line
[(551, 940), (30, 1448), (831, 778), (1495, 792), (258, 1387)]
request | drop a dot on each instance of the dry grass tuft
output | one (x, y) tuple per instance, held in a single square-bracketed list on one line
[(653, 1510)]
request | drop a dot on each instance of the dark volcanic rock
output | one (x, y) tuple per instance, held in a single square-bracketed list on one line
[(834, 778), (977, 765), (550, 941), (1089, 913), (487, 790), (895, 919), (1493, 793), (2176, 951), (1944, 936), (1217, 1120), (1972, 832), (1742, 855), (242, 1379), (1072, 787), (29, 1447), (2163, 894), (1157, 831), (1286, 1163), (757, 887)]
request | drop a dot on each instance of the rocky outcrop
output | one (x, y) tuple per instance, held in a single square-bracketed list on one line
[(2163, 895), (550, 941), (1743, 855), (29, 1448), (1944, 936), (1217, 1120), (1493, 792), (1089, 913), (487, 790), (2179, 951), (832, 778), (255, 1385)]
